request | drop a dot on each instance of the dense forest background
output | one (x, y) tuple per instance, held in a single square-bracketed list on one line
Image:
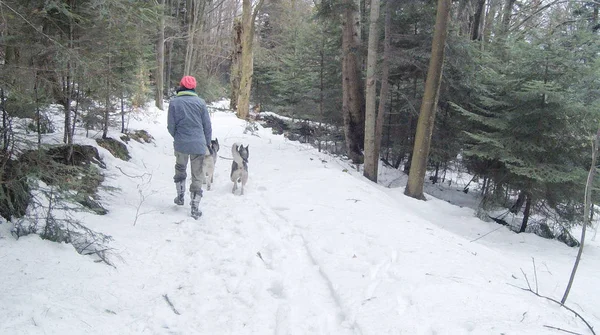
[(518, 102)]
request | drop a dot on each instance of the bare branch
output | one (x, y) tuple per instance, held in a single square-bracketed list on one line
[(562, 305), (171, 304), (562, 330)]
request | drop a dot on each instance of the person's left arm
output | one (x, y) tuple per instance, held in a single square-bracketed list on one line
[(171, 120)]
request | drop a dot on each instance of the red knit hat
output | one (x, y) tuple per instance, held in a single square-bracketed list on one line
[(188, 82)]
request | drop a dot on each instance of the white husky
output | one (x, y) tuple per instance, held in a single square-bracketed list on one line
[(239, 167), (208, 164)]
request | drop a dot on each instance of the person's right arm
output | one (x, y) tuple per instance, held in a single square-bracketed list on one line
[(206, 124)]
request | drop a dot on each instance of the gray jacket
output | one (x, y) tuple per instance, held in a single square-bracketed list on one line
[(189, 123)]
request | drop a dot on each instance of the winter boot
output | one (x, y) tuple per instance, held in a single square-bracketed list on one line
[(180, 198), (196, 213)]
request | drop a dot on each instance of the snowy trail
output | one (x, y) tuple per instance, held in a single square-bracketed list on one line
[(311, 248), (242, 255)]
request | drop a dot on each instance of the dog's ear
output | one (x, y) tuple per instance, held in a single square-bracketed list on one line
[(217, 140)]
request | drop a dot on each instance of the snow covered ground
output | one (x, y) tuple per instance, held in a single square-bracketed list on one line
[(311, 248)]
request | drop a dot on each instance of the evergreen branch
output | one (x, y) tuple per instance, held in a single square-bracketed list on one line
[(32, 25)]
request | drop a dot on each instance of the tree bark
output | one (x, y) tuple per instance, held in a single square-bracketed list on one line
[(247, 57), (193, 27), (519, 203), (5, 138), (477, 23), (353, 98), (385, 85), (371, 156), (235, 70), (160, 57), (526, 213), (463, 16), (68, 136), (418, 166), (587, 200), (490, 19), (506, 14), (107, 103)]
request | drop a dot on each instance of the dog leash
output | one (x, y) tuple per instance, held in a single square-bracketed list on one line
[(228, 158)]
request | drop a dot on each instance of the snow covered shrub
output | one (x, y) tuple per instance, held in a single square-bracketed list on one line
[(72, 171), (116, 148), (58, 179), (14, 190), (49, 216), (140, 135)]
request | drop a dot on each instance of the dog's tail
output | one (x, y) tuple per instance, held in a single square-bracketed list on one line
[(235, 153)]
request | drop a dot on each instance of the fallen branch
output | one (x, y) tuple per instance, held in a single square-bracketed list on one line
[(132, 176), (557, 302), (484, 235), (171, 304), (562, 330)]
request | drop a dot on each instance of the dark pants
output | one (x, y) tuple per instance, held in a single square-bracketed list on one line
[(181, 161)]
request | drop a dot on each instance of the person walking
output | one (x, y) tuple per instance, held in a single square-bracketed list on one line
[(190, 125)]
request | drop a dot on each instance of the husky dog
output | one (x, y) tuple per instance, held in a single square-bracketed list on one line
[(239, 167), (208, 164)]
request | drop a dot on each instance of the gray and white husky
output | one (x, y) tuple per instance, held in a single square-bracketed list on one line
[(239, 167), (208, 164)]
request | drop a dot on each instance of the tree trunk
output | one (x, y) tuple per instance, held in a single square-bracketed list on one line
[(352, 100), (587, 200), (385, 85), (38, 114), (519, 203), (107, 103), (526, 213), (506, 14), (322, 80), (463, 16), (5, 139), (6, 123), (414, 187), (476, 32), (490, 19), (195, 24), (247, 57), (68, 86), (122, 114), (235, 71), (67, 137), (371, 156), (192, 23), (160, 57), (76, 110)]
